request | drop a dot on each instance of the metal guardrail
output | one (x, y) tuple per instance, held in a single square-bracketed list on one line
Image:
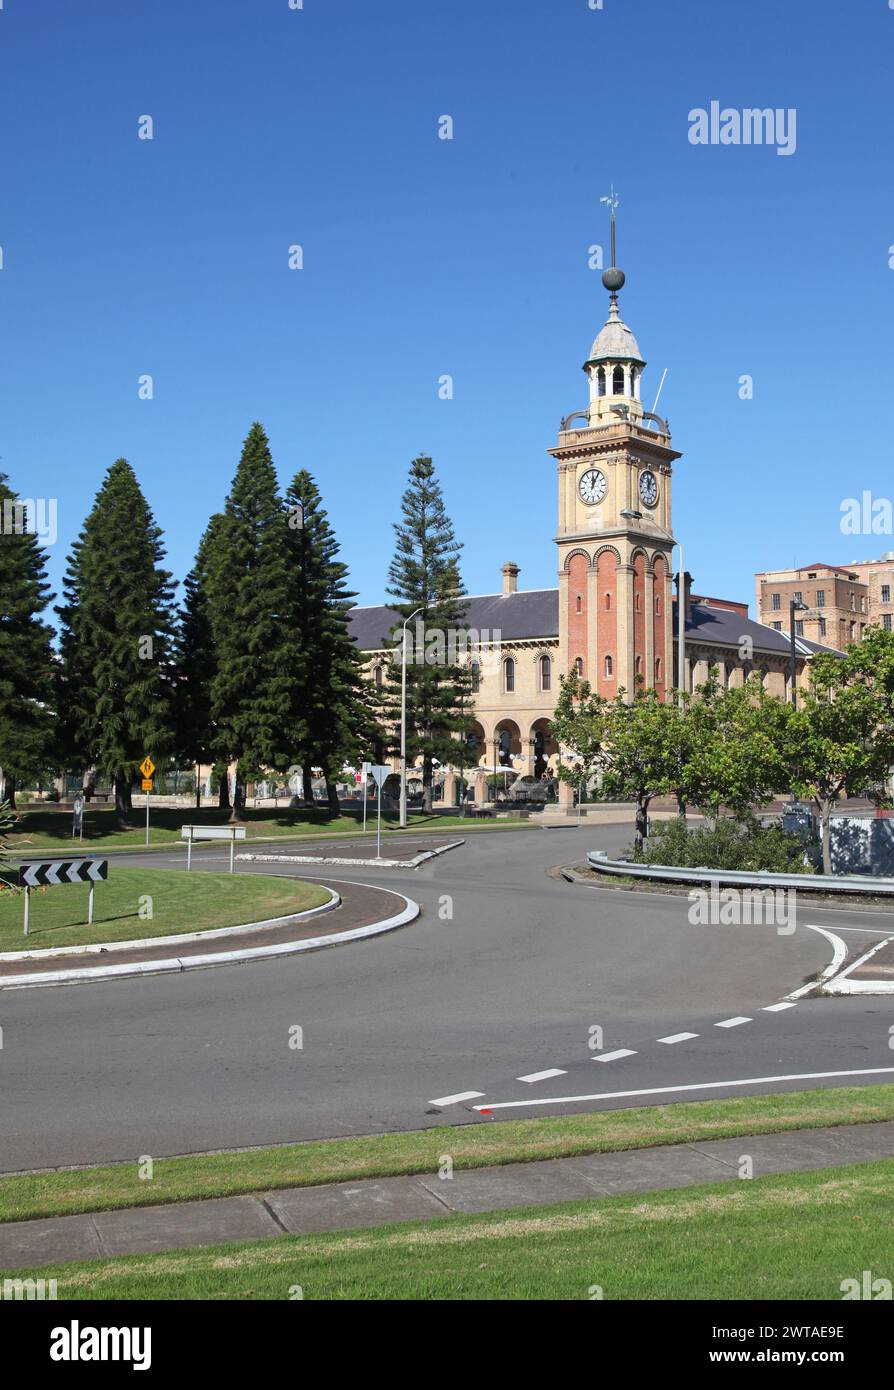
[(823, 883)]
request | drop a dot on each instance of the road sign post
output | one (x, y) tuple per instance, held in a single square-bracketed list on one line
[(364, 783), (211, 832), (379, 771), (77, 823), (56, 871), (147, 767)]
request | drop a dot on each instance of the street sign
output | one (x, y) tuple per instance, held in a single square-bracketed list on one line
[(77, 823), (211, 832), (147, 767), (63, 871), (55, 871), (146, 784), (380, 771)]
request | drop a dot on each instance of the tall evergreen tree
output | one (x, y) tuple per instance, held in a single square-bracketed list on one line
[(117, 630), (248, 604), (26, 660), (425, 573), (195, 662), (332, 709)]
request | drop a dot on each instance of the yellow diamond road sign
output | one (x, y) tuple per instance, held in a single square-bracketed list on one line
[(147, 766)]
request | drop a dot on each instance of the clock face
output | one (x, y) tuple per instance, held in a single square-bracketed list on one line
[(648, 488), (592, 486)]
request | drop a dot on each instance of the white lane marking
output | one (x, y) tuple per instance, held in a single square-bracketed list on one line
[(460, 1095), (542, 1075), (674, 1090), (734, 1022), (613, 1056), (777, 1008), (838, 959), (844, 980), (677, 1037)]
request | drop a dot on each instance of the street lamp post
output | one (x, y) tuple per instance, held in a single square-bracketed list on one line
[(403, 721), (795, 606)]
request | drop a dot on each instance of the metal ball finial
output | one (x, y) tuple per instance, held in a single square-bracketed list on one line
[(613, 279)]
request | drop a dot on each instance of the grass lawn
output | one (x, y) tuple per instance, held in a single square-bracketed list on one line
[(107, 1187), (180, 903), (51, 830), (791, 1237)]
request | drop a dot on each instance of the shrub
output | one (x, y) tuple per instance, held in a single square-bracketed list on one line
[(745, 844)]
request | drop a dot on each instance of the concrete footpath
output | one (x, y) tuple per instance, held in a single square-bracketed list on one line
[(375, 1201)]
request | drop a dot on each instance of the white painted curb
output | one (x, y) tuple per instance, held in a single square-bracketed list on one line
[(357, 863), (48, 979), (95, 948), (843, 984)]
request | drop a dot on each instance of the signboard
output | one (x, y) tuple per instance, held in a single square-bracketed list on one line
[(147, 767), (55, 871), (146, 784), (77, 824), (189, 833), (63, 871), (379, 771)]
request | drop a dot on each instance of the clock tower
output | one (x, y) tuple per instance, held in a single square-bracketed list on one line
[(614, 535)]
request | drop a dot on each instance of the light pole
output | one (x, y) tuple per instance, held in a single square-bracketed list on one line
[(795, 606), (403, 721)]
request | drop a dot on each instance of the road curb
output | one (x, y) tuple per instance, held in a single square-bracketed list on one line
[(50, 979), (359, 863)]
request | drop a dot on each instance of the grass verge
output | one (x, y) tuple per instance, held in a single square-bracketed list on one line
[(179, 902), (105, 1188), (796, 1236), (43, 830)]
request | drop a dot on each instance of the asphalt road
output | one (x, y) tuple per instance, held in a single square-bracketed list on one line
[(505, 976)]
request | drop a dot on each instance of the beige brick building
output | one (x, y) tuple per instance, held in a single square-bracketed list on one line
[(842, 601), (612, 617)]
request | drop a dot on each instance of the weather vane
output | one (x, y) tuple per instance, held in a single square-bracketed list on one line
[(611, 202)]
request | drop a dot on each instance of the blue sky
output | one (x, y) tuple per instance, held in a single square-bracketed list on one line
[(426, 257)]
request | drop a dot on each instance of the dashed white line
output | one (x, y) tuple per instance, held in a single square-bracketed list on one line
[(613, 1056), (542, 1075), (777, 1008), (455, 1100), (675, 1090), (677, 1037), (733, 1022)]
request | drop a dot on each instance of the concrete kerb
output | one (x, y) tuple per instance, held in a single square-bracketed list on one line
[(843, 983), (49, 979), (359, 863)]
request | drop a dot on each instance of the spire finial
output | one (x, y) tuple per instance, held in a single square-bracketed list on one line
[(613, 278)]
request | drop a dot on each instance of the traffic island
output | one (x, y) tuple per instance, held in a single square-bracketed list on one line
[(398, 852), (350, 913)]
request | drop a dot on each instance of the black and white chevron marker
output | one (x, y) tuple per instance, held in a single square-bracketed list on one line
[(63, 871)]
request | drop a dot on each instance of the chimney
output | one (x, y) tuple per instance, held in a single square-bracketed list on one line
[(684, 583), (509, 572)]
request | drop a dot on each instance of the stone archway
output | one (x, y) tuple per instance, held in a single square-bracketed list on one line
[(541, 747)]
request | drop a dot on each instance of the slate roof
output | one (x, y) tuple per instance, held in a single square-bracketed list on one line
[(727, 628), (532, 613), (528, 613)]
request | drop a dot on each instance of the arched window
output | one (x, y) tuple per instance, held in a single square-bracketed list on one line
[(579, 667), (609, 668), (638, 665), (509, 675), (657, 604), (657, 669), (608, 602), (600, 381), (377, 676), (618, 381), (579, 604), (636, 603), (476, 677), (546, 673)]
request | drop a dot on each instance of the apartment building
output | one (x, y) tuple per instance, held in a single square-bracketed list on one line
[(841, 601)]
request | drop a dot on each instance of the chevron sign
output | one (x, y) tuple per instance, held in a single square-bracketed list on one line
[(58, 871)]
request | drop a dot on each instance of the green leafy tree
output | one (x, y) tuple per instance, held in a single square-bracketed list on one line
[(424, 573), (734, 747), (26, 659), (248, 590), (332, 716), (115, 693), (196, 662), (841, 737)]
